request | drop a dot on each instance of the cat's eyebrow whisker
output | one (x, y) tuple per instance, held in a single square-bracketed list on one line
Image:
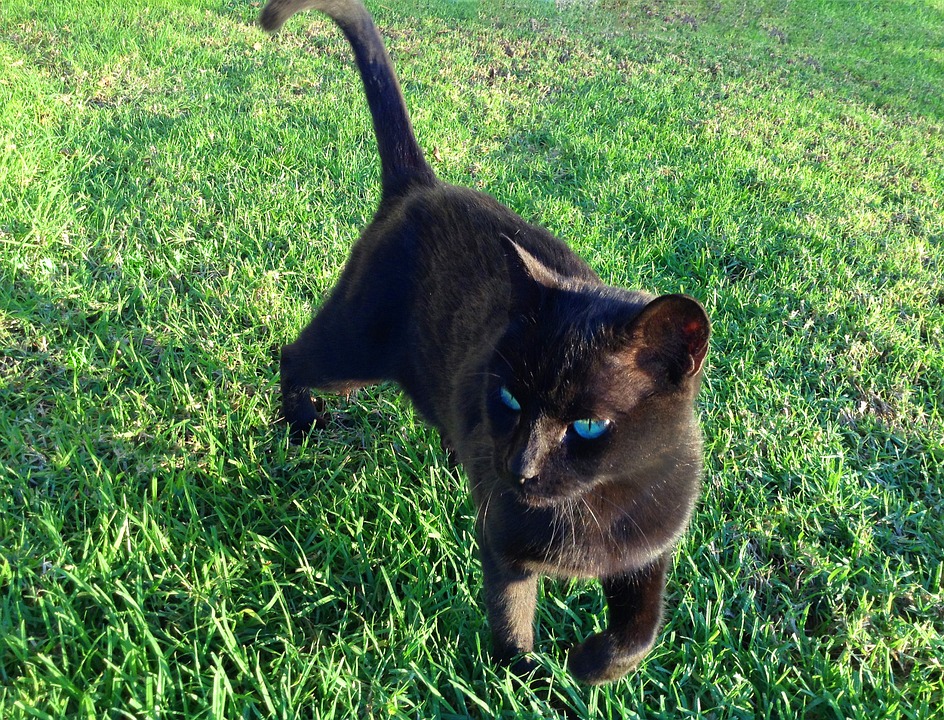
[(500, 354)]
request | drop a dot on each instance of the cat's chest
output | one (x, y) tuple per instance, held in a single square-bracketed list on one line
[(572, 542)]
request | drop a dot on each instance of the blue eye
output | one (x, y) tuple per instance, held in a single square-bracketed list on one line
[(510, 401), (590, 429)]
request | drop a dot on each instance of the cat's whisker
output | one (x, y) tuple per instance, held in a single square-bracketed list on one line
[(593, 515), (573, 524)]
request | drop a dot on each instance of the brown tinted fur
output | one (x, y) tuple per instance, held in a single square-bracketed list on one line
[(509, 344)]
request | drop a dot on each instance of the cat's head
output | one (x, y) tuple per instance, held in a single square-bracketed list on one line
[(592, 384)]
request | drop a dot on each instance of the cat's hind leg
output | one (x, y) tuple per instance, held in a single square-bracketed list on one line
[(354, 340)]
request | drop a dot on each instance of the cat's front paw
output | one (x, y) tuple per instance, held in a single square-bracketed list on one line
[(600, 659)]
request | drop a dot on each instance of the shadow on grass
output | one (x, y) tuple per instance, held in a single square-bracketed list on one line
[(145, 456)]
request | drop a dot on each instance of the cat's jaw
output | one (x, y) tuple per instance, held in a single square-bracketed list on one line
[(616, 522), (574, 543)]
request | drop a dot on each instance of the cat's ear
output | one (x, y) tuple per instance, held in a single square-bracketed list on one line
[(671, 334), (524, 267)]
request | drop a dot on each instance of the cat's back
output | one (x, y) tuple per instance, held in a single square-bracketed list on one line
[(458, 231)]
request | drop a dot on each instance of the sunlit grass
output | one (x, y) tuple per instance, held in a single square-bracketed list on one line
[(178, 192)]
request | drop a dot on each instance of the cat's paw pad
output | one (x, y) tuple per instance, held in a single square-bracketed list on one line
[(599, 659)]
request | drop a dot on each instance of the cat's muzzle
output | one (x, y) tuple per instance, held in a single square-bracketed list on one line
[(537, 491)]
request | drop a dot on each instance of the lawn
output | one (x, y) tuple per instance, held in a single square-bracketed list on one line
[(177, 194)]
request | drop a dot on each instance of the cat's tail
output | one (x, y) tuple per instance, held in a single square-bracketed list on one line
[(402, 163)]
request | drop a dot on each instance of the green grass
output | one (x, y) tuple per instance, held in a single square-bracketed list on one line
[(178, 192)]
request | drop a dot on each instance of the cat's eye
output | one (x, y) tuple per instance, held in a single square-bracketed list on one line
[(590, 429), (511, 402)]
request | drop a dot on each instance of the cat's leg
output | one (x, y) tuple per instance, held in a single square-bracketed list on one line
[(308, 363), (351, 342), (510, 596), (634, 603), (299, 409)]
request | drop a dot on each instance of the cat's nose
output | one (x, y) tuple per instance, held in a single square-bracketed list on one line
[(522, 480), (524, 466)]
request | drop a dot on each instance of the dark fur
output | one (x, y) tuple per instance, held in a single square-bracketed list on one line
[(452, 295)]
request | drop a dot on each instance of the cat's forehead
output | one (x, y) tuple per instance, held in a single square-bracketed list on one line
[(572, 372), (617, 384), (566, 353)]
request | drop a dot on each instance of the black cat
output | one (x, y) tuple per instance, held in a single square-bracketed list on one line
[(569, 403)]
